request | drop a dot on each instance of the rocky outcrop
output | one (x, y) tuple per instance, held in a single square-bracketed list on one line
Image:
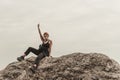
[(76, 66)]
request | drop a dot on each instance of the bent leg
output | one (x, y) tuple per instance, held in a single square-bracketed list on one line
[(30, 49), (33, 50), (38, 59)]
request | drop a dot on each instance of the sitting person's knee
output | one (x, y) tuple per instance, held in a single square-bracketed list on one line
[(30, 48)]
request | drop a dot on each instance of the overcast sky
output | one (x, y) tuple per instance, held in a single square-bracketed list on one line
[(74, 25)]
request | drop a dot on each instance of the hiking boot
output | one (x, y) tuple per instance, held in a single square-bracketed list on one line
[(21, 58), (33, 69)]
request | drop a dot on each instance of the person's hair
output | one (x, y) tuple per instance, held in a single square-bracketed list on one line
[(46, 33)]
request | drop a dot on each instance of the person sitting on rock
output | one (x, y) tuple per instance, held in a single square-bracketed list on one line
[(43, 51)]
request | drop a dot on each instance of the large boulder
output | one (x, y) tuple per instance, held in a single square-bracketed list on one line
[(75, 66)]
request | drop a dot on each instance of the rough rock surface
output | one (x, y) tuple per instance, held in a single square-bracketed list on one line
[(76, 66)]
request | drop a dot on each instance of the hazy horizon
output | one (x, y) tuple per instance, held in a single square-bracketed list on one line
[(74, 25)]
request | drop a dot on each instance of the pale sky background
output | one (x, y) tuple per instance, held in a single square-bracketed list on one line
[(74, 26)]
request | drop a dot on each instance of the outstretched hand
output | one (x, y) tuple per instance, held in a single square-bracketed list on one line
[(38, 25), (41, 37)]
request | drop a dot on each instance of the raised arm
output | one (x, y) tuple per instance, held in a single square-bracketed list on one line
[(41, 37)]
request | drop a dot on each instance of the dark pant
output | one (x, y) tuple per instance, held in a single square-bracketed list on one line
[(39, 52)]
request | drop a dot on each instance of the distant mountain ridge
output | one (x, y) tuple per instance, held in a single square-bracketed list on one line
[(75, 66)]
